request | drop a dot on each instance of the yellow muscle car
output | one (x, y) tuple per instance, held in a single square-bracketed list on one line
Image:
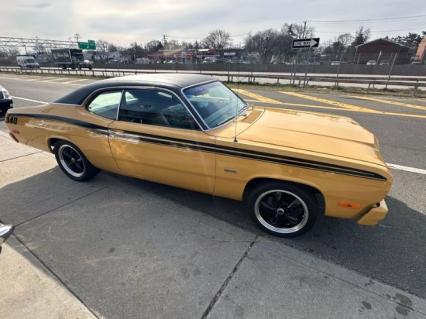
[(192, 131)]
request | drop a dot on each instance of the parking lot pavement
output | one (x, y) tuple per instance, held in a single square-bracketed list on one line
[(28, 289), (119, 250)]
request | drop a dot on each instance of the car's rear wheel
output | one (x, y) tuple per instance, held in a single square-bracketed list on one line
[(73, 162), (283, 209)]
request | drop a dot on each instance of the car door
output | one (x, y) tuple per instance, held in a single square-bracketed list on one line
[(155, 138), (99, 111)]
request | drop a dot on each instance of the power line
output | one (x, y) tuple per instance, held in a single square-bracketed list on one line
[(373, 31), (368, 20)]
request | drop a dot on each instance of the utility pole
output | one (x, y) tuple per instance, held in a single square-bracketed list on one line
[(76, 37), (304, 30), (165, 41)]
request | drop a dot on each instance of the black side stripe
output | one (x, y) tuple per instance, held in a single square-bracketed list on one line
[(214, 148), (62, 119)]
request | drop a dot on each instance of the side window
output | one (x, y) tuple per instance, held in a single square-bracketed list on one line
[(155, 107), (106, 104)]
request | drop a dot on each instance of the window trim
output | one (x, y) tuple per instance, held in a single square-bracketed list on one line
[(92, 96), (208, 128), (95, 93)]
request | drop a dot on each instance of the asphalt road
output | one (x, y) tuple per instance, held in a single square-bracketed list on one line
[(393, 252)]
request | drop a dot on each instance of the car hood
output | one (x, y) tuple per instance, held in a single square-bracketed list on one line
[(313, 132)]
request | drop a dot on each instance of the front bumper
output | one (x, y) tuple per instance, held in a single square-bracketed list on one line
[(374, 215)]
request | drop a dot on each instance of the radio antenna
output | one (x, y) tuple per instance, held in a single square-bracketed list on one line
[(236, 107)]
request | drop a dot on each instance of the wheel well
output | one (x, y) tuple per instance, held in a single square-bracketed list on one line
[(51, 143), (258, 181)]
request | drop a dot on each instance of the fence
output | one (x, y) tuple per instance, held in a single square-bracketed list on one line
[(295, 77)]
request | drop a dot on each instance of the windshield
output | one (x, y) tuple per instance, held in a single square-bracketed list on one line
[(215, 103)]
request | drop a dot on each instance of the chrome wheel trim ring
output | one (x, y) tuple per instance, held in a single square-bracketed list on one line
[(272, 228), (64, 163)]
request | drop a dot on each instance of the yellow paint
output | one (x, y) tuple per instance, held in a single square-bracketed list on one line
[(257, 97), (347, 107), (397, 103), (374, 215), (328, 139), (325, 101)]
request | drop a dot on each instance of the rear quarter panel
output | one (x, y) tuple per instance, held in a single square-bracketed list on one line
[(38, 126)]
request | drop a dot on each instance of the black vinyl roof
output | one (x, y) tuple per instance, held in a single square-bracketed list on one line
[(173, 81)]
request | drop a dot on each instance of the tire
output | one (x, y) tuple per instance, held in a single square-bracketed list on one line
[(73, 162), (283, 209)]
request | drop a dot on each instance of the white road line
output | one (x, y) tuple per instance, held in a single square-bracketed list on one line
[(75, 81), (407, 168), (29, 100)]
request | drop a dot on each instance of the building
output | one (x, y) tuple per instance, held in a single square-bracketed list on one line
[(382, 51), (421, 52)]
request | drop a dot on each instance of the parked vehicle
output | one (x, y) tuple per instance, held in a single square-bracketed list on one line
[(336, 63), (5, 232), (210, 59), (371, 62), (6, 101), (70, 58), (192, 131), (27, 62)]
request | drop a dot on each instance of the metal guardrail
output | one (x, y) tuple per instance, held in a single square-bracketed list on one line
[(297, 79)]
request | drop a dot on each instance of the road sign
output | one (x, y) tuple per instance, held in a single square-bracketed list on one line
[(306, 43), (89, 45)]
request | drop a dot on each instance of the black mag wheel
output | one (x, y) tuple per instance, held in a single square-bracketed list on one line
[(73, 162), (282, 209)]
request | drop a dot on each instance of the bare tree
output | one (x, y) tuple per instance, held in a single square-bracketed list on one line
[(345, 39), (299, 30), (264, 43), (217, 39), (361, 36), (153, 46)]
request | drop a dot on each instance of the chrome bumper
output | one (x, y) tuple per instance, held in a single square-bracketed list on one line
[(374, 215)]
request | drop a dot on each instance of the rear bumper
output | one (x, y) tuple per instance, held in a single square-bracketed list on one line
[(374, 215)]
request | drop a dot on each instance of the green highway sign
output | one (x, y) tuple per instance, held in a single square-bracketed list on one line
[(89, 45)]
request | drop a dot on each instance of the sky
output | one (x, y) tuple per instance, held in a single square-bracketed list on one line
[(125, 21)]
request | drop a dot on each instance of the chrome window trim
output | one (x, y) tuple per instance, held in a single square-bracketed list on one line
[(136, 87), (193, 107), (88, 100)]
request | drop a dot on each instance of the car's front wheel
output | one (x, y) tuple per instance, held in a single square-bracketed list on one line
[(283, 209), (73, 162)]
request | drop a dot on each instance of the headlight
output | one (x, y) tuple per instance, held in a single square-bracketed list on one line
[(6, 94)]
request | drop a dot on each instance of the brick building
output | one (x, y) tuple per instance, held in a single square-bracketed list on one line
[(421, 51), (382, 51)]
